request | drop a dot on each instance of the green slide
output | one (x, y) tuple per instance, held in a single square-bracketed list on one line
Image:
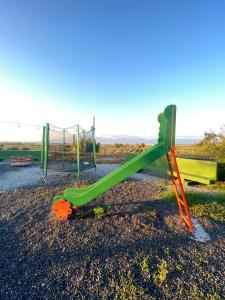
[(166, 140)]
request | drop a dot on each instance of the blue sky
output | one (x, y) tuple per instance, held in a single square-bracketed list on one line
[(122, 61)]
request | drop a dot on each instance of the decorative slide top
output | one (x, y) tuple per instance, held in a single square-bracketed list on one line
[(167, 121)]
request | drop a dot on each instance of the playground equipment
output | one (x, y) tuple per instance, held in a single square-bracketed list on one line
[(68, 149), (72, 198), (19, 161), (191, 170)]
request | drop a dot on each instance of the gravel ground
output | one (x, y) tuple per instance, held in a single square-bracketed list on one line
[(13, 177), (90, 258)]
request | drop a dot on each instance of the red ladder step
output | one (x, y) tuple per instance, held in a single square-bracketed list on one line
[(182, 202)]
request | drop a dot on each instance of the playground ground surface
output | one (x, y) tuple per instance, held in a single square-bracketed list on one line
[(32, 175), (138, 247)]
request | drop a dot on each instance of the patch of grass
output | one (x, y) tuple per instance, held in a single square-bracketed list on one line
[(179, 268), (88, 257), (204, 205), (144, 265), (150, 213), (98, 212), (126, 289), (212, 210), (218, 186), (101, 210), (86, 240), (161, 275), (165, 181), (198, 294)]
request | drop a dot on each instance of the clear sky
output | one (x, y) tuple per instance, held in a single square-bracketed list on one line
[(120, 60)]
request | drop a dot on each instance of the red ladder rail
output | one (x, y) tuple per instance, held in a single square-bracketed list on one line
[(182, 201)]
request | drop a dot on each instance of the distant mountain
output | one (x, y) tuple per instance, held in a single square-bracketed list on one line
[(127, 139)]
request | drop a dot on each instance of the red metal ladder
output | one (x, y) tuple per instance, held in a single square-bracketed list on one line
[(178, 187)]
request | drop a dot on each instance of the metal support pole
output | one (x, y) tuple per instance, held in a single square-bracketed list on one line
[(63, 148), (78, 149), (73, 149), (43, 147), (46, 149), (94, 142)]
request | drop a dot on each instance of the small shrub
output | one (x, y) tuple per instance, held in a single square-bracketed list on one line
[(127, 289)]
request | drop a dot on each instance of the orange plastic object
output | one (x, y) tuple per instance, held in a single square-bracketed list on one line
[(62, 209)]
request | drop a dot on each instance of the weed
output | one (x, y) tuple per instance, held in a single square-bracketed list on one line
[(160, 277), (88, 257), (213, 297), (150, 213), (179, 268), (127, 289), (153, 214), (196, 293), (86, 240), (144, 265), (101, 210)]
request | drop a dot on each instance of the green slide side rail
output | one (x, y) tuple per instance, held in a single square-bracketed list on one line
[(166, 140)]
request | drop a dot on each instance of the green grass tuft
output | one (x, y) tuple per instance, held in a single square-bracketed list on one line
[(101, 210), (212, 210), (161, 275), (144, 265), (128, 289), (203, 204)]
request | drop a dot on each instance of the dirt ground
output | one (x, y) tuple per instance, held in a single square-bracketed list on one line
[(139, 250)]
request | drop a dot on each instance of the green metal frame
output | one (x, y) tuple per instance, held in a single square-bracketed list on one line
[(78, 149), (94, 142), (45, 147), (166, 141), (46, 140)]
